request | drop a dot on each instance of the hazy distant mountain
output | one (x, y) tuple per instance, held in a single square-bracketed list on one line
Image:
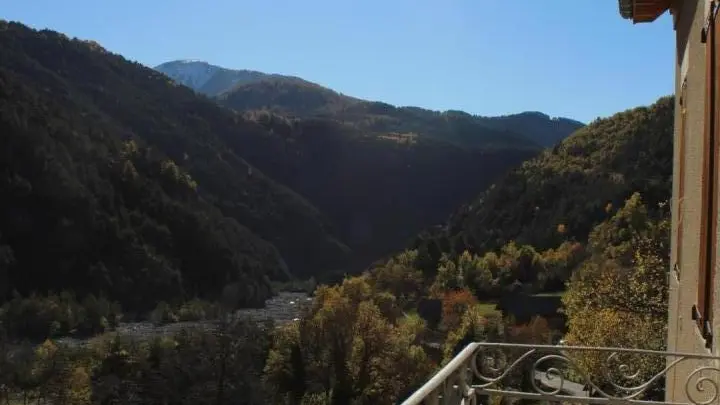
[(209, 79)]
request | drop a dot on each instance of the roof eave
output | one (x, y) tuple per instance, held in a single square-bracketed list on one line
[(642, 11), (626, 9)]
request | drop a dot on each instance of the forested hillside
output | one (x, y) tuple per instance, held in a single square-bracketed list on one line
[(563, 193), (543, 129), (300, 98), (379, 191), (116, 179)]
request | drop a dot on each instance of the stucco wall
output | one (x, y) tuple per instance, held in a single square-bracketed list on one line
[(683, 334)]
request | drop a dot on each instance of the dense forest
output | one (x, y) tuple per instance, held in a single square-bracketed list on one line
[(361, 342), (379, 192), (563, 193), (116, 181), (123, 192), (126, 181)]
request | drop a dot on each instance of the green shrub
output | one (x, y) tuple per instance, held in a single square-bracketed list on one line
[(39, 317), (192, 311)]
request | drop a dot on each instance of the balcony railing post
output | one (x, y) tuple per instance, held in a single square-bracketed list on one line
[(465, 390), (449, 395), (434, 398), (447, 381)]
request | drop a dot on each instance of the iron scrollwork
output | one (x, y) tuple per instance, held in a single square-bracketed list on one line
[(616, 374)]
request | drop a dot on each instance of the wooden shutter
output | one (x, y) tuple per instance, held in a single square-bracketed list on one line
[(708, 230)]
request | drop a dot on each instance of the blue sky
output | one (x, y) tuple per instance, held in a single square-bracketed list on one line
[(574, 58)]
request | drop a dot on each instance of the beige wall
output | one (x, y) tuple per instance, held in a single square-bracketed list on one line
[(683, 334)]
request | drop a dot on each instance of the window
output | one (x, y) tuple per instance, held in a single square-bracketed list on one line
[(708, 221)]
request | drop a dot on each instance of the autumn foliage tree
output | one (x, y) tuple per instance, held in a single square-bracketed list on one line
[(346, 351), (619, 296), (454, 304), (514, 268), (536, 331), (400, 277), (196, 365), (474, 326)]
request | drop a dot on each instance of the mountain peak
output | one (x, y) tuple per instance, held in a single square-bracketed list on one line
[(192, 73), (206, 78)]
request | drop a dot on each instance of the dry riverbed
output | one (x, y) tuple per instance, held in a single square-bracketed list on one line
[(283, 308)]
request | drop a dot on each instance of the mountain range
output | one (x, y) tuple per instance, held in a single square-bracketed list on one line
[(128, 194), (118, 180), (288, 95)]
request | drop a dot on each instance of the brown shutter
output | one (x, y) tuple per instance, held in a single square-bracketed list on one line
[(708, 230), (715, 151)]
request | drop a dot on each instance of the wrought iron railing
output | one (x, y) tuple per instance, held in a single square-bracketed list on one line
[(559, 374)]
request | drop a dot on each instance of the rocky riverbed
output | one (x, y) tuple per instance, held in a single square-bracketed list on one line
[(284, 307)]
